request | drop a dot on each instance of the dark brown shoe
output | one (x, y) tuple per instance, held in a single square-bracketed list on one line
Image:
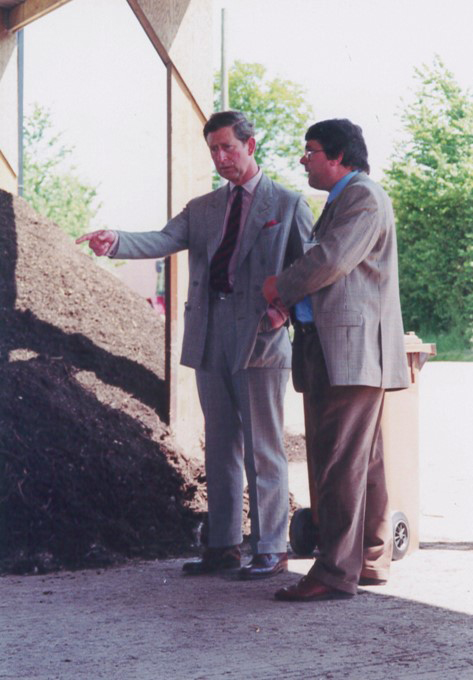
[(214, 559), (309, 589), (263, 566), (368, 581)]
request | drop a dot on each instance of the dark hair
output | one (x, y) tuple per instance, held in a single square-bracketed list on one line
[(242, 127), (339, 135)]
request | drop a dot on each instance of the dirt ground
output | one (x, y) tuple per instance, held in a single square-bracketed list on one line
[(90, 474)]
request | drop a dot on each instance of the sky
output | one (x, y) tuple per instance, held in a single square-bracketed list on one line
[(108, 102), (354, 58)]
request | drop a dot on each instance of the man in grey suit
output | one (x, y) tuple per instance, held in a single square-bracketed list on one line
[(348, 349), (236, 236)]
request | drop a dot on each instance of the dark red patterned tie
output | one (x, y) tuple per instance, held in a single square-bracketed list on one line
[(221, 260)]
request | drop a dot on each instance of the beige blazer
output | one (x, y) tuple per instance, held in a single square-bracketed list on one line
[(351, 274), (278, 224)]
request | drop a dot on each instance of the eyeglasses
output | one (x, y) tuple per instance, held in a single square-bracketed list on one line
[(308, 153)]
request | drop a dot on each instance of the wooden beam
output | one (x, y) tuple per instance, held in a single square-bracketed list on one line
[(165, 58), (21, 15), (150, 32), (3, 22), (4, 161)]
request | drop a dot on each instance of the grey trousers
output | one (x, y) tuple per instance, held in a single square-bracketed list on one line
[(243, 415), (344, 442)]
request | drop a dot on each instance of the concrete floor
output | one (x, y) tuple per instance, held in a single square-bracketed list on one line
[(145, 621)]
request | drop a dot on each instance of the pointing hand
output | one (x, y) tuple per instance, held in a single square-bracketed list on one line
[(99, 241)]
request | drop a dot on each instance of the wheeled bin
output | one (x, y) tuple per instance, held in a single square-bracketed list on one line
[(400, 430)]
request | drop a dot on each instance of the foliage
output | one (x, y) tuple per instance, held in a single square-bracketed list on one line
[(51, 190), (450, 345), (316, 204), (430, 180), (280, 113)]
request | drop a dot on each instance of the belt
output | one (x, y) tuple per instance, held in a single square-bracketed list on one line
[(305, 328)]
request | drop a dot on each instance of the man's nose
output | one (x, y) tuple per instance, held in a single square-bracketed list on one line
[(303, 160), (221, 155)]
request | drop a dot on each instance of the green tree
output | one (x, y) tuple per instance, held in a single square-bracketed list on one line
[(53, 190), (279, 110), (430, 180)]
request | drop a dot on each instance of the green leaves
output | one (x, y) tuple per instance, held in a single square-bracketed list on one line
[(51, 187), (279, 110), (430, 181)]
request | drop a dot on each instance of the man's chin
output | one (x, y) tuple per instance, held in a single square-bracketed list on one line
[(231, 175)]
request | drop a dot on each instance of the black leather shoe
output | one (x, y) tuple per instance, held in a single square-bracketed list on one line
[(263, 566), (214, 559), (367, 581)]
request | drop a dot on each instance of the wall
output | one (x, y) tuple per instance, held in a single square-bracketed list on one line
[(181, 32), (8, 113)]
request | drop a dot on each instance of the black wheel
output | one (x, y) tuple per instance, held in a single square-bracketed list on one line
[(303, 534), (401, 535)]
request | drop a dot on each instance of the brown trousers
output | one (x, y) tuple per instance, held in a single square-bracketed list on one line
[(345, 452)]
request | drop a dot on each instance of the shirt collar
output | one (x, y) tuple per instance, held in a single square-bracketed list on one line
[(251, 184), (340, 185)]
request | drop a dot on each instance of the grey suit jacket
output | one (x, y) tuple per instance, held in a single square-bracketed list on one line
[(278, 224), (352, 276)]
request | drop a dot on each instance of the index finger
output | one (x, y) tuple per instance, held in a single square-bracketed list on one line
[(84, 237)]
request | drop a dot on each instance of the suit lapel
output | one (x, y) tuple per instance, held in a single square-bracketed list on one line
[(326, 215), (322, 220), (260, 212), (215, 215)]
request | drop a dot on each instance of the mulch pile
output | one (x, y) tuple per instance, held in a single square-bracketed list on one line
[(89, 472)]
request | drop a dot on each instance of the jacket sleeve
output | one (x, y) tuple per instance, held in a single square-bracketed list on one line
[(151, 244), (301, 227), (350, 236)]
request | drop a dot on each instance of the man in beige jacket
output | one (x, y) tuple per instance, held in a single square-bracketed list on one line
[(348, 349)]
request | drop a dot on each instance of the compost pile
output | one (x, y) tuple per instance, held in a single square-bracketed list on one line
[(89, 473)]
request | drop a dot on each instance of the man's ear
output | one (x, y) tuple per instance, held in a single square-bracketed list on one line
[(251, 145), (337, 161)]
